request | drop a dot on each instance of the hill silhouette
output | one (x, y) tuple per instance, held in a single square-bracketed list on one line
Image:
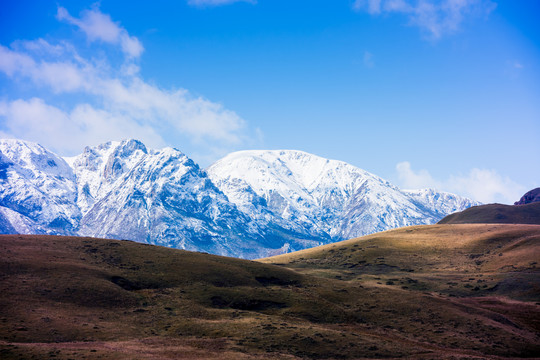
[(496, 214)]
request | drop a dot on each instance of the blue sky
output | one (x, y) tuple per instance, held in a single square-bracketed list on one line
[(423, 93)]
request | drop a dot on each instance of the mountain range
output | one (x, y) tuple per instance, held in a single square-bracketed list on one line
[(249, 204)]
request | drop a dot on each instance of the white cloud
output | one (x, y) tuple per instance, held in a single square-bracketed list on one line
[(411, 179), (196, 116), (99, 26), (434, 17), (69, 132), (217, 2), (488, 186), (61, 75), (372, 6), (42, 47), (483, 185), (12, 62), (117, 104)]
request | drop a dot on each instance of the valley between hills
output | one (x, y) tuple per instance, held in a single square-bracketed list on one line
[(447, 291)]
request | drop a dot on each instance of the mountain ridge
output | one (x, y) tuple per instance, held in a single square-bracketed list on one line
[(295, 183), (124, 190)]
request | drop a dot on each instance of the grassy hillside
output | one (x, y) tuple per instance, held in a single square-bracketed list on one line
[(496, 214), (431, 254), (447, 293)]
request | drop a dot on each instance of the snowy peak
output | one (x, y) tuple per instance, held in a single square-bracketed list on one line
[(299, 169), (329, 199), (160, 197), (35, 159), (249, 204), (99, 167)]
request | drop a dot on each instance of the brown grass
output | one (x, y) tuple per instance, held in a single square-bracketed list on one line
[(406, 293), (496, 214)]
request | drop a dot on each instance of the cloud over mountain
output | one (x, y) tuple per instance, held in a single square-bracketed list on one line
[(106, 97), (484, 185)]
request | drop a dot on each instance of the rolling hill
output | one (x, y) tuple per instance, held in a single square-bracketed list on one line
[(496, 214), (423, 292)]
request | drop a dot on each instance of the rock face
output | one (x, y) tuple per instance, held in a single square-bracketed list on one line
[(529, 197), (249, 204)]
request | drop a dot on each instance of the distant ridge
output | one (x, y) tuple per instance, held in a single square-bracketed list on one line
[(525, 211), (529, 197)]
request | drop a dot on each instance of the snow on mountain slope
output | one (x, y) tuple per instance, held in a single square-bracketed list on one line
[(439, 203), (249, 204), (97, 168), (38, 185), (326, 198), (160, 197), (12, 222), (298, 188)]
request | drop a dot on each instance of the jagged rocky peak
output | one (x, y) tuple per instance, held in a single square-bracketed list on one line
[(121, 157), (166, 199), (99, 167), (128, 147)]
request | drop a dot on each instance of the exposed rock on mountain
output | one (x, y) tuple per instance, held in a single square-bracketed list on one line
[(328, 199), (249, 204), (37, 190)]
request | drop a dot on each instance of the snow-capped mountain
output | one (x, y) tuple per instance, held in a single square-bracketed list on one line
[(37, 190), (159, 197), (324, 198), (249, 204)]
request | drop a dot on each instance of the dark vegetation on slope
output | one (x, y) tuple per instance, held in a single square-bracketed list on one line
[(496, 214), (451, 291)]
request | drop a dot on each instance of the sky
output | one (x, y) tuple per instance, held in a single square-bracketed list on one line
[(424, 93)]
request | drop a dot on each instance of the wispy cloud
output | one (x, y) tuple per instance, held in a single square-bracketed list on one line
[(518, 65), (62, 75), (99, 26), (369, 61), (434, 17), (483, 185), (118, 103), (203, 3)]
